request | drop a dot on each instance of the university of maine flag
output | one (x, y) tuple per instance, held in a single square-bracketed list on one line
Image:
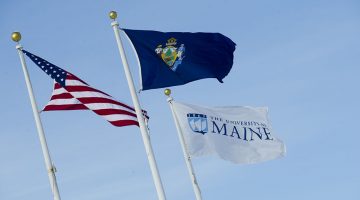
[(238, 134)]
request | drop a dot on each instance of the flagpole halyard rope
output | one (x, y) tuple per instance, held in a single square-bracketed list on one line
[(137, 59)]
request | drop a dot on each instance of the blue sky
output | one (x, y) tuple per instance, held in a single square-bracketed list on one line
[(299, 58)]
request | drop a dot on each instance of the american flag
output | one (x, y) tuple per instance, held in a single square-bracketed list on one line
[(72, 93)]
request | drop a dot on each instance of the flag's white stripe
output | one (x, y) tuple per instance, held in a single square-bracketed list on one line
[(74, 83), (117, 117), (82, 94), (90, 94), (59, 91), (92, 106), (99, 106), (63, 101)]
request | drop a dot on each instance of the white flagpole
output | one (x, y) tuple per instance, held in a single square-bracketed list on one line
[(183, 145), (16, 36), (143, 129)]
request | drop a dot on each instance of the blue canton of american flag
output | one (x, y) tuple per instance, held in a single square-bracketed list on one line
[(72, 93), (56, 73)]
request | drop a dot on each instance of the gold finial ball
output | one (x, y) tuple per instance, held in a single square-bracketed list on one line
[(167, 92), (113, 15), (16, 36)]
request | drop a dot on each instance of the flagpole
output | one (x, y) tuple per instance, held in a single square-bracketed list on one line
[(16, 37), (143, 129), (183, 145)]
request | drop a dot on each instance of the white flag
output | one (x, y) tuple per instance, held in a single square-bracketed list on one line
[(235, 133)]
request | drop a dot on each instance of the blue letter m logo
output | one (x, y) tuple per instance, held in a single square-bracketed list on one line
[(198, 123)]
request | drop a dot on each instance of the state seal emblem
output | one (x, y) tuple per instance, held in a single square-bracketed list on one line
[(171, 54)]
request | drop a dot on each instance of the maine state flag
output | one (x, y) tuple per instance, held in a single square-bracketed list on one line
[(176, 58)]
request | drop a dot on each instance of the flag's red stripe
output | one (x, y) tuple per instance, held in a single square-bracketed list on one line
[(73, 77), (86, 100), (65, 107), (75, 88), (113, 111), (62, 96), (57, 86), (124, 123)]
